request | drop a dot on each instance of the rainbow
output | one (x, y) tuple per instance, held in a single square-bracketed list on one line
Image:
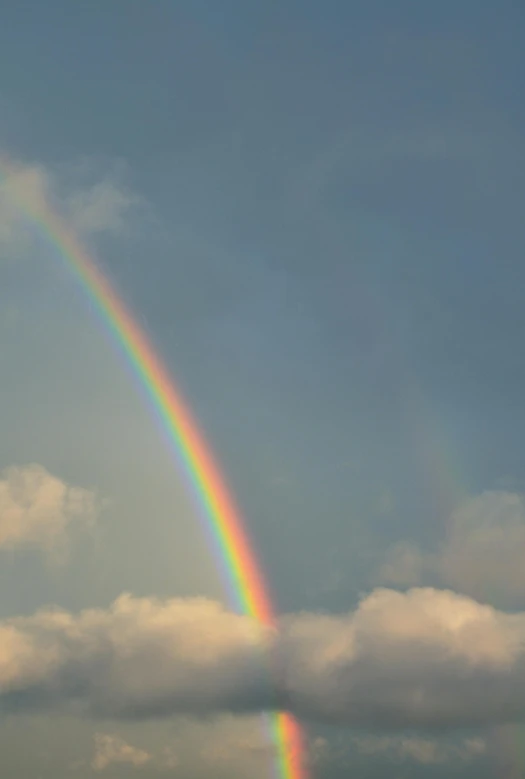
[(222, 519)]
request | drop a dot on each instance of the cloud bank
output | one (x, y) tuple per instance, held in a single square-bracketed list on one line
[(425, 658)]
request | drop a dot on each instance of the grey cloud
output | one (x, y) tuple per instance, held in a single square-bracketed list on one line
[(404, 565), (228, 745), (427, 751), (111, 749), (425, 658), (484, 551)]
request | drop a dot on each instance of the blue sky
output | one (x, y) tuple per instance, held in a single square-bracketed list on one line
[(316, 211)]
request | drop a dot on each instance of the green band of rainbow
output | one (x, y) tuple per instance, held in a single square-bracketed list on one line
[(216, 505)]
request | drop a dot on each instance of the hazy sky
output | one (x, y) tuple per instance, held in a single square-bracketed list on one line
[(316, 212)]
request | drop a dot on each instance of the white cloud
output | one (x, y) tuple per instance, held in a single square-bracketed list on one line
[(111, 749), (426, 751), (37, 509), (482, 554), (427, 658)]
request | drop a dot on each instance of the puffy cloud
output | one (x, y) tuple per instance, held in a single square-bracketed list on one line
[(37, 509), (426, 751), (110, 749), (482, 554), (141, 657), (423, 658)]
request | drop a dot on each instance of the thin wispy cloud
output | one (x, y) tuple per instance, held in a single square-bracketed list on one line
[(91, 204), (103, 207), (226, 745), (425, 751), (111, 750)]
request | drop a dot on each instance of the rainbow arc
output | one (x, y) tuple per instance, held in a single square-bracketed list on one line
[(222, 519)]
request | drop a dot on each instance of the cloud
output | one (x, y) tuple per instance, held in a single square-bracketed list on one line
[(92, 207), (318, 750), (422, 658), (425, 658), (485, 549), (30, 183), (482, 554), (37, 509), (426, 751), (229, 745), (228, 742), (102, 207), (110, 749), (142, 657), (404, 565)]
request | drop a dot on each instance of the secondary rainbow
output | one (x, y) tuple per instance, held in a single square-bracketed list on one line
[(221, 516)]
